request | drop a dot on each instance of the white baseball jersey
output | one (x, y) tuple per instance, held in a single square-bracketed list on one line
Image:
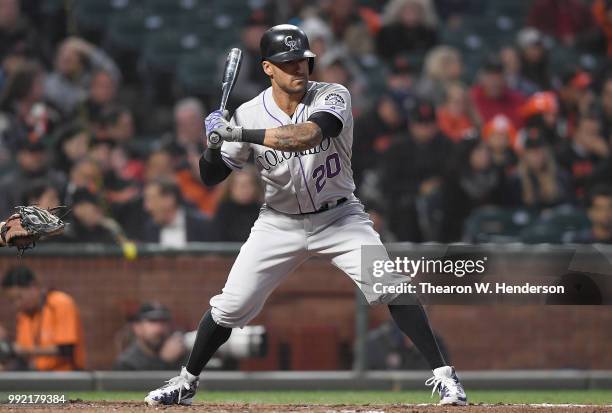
[(298, 182)]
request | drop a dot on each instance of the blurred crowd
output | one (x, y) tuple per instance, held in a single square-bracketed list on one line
[(460, 106)]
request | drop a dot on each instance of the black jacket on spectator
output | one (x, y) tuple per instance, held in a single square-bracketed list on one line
[(405, 166), (233, 221), (134, 358), (199, 228), (371, 136), (77, 233), (580, 165), (397, 38)]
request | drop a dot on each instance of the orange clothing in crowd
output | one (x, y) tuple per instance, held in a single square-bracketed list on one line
[(600, 15), (206, 199), (57, 323), (456, 127)]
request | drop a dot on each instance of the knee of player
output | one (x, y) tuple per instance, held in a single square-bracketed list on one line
[(234, 314)]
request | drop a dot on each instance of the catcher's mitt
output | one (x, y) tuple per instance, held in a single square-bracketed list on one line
[(29, 224)]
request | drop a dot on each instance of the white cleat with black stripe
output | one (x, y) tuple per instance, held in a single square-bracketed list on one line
[(178, 390), (447, 383)]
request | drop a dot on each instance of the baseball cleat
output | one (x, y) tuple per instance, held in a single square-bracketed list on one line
[(447, 383), (177, 390)]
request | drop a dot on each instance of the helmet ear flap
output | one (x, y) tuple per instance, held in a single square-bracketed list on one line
[(310, 65)]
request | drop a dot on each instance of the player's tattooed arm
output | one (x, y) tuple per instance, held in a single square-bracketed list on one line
[(295, 137)]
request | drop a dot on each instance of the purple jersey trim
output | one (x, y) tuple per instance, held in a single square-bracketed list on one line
[(306, 183), (230, 163), (263, 98)]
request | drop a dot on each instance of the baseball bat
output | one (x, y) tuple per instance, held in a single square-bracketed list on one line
[(230, 73)]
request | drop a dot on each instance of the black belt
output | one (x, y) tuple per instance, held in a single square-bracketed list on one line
[(328, 206)]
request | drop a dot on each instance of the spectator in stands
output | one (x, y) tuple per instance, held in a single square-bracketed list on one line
[(320, 37), (86, 173), (154, 347), (600, 214), (42, 193), (375, 131), (187, 175), (75, 63), (32, 164), (574, 96), (564, 20), (500, 136), (377, 213), (582, 155), (336, 66), (102, 94), (492, 96), (443, 67), (71, 145), (17, 36), (606, 109), (515, 80), (49, 333), (188, 115), (23, 114), (172, 223), (412, 171), (457, 117), (347, 21), (408, 26), (252, 79), (240, 207), (534, 57), (602, 13), (160, 164), (88, 222), (114, 123), (539, 182), (473, 182), (541, 112)]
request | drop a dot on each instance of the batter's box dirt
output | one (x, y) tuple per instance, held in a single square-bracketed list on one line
[(136, 407)]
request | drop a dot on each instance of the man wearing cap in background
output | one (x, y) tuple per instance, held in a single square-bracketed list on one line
[(412, 170), (49, 333), (32, 164), (154, 347), (492, 96)]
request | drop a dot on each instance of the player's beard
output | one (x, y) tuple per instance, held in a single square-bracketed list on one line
[(294, 88)]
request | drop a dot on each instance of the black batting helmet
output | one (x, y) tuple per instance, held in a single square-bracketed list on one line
[(284, 43)]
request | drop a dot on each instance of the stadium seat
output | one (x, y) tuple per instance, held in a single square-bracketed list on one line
[(163, 49), (94, 15), (493, 224), (542, 233), (197, 74), (127, 30), (556, 226), (566, 217)]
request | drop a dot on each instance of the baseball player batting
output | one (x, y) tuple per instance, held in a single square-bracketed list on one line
[(300, 135)]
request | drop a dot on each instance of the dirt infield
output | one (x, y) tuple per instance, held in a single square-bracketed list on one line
[(136, 407)]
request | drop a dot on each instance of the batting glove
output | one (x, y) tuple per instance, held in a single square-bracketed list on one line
[(213, 121), (227, 132)]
